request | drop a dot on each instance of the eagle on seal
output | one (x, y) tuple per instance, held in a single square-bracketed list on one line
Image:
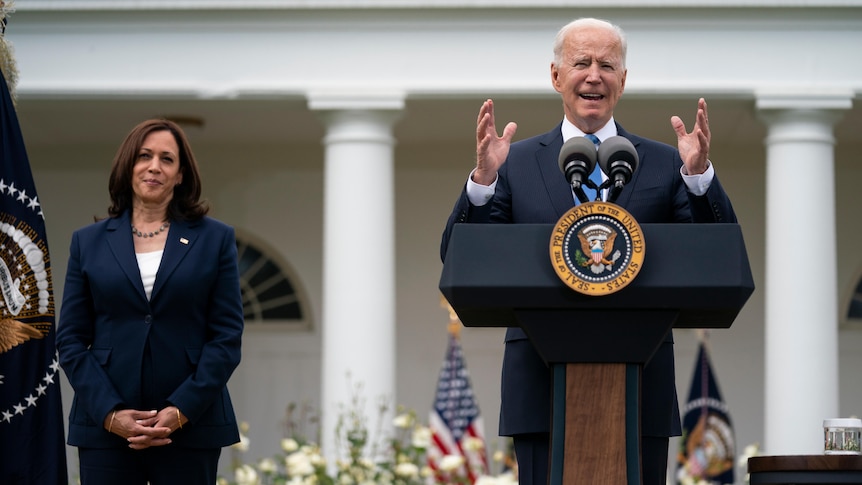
[(14, 333), (598, 249)]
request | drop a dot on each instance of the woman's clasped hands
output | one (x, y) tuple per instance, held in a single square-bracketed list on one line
[(143, 429)]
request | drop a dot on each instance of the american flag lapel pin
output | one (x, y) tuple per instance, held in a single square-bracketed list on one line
[(184, 240)]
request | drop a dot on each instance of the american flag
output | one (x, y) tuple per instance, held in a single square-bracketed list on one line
[(455, 421)]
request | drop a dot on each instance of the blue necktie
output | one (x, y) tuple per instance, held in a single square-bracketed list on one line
[(596, 176)]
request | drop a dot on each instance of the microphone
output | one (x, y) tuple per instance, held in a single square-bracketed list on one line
[(577, 161), (618, 158)]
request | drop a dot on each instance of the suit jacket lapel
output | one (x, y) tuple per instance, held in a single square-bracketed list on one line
[(181, 237), (119, 236), (626, 193), (547, 157)]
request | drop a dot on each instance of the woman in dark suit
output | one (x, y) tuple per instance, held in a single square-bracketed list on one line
[(151, 322)]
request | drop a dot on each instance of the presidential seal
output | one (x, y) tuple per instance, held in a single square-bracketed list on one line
[(597, 248), (26, 309)]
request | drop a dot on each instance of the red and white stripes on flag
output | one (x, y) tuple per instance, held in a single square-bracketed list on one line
[(455, 422)]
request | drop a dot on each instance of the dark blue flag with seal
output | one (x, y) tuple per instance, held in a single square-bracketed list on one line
[(32, 441), (707, 450)]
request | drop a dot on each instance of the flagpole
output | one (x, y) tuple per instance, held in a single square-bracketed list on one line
[(455, 325)]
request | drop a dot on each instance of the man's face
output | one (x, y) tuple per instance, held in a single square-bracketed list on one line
[(590, 77)]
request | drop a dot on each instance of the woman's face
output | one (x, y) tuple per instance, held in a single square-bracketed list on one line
[(157, 169)]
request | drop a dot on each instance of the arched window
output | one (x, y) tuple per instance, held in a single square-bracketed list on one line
[(271, 293)]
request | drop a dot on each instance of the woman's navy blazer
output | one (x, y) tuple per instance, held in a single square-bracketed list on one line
[(188, 333)]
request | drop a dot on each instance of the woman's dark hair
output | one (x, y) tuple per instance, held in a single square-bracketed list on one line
[(186, 203)]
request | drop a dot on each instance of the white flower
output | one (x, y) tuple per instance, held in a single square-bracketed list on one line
[(507, 478), (473, 444), (407, 470), (289, 445), (298, 464), (246, 475), (499, 456), (450, 463), (403, 421), (317, 459), (486, 480), (220, 481), (421, 437), (267, 465), (242, 444)]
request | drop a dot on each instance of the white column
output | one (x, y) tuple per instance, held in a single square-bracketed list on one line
[(358, 318), (801, 360)]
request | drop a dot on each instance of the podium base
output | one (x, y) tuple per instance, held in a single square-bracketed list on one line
[(595, 433)]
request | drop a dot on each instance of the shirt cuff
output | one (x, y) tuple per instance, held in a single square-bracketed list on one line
[(698, 184), (479, 195)]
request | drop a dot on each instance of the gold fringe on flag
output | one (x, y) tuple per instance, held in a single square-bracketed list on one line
[(7, 60)]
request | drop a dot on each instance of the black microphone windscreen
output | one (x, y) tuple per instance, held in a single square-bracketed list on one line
[(617, 149), (578, 148)]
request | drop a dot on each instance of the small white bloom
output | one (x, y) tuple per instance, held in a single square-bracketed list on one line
[(507, 478), (246, 475), (407, 470), (403, 421), (298, 464), (499, 456), (317, 459), (242, 444), (750, 450), (450, 463), (473, 444), (289, 445), (486, 480), (421, 437), (267, 465)]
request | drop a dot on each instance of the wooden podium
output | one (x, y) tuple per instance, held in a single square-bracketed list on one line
[(693, 276)]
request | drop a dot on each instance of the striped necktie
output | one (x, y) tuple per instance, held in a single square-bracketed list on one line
[(596, 176)]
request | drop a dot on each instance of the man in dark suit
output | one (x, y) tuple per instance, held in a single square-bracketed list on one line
[(522, 183)]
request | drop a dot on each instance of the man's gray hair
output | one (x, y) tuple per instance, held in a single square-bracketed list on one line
[(587, 22)]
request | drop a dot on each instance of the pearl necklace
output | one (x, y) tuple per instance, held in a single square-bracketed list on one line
[(150, 234)]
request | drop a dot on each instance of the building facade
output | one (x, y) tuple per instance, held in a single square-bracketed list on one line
[(335, 136)]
